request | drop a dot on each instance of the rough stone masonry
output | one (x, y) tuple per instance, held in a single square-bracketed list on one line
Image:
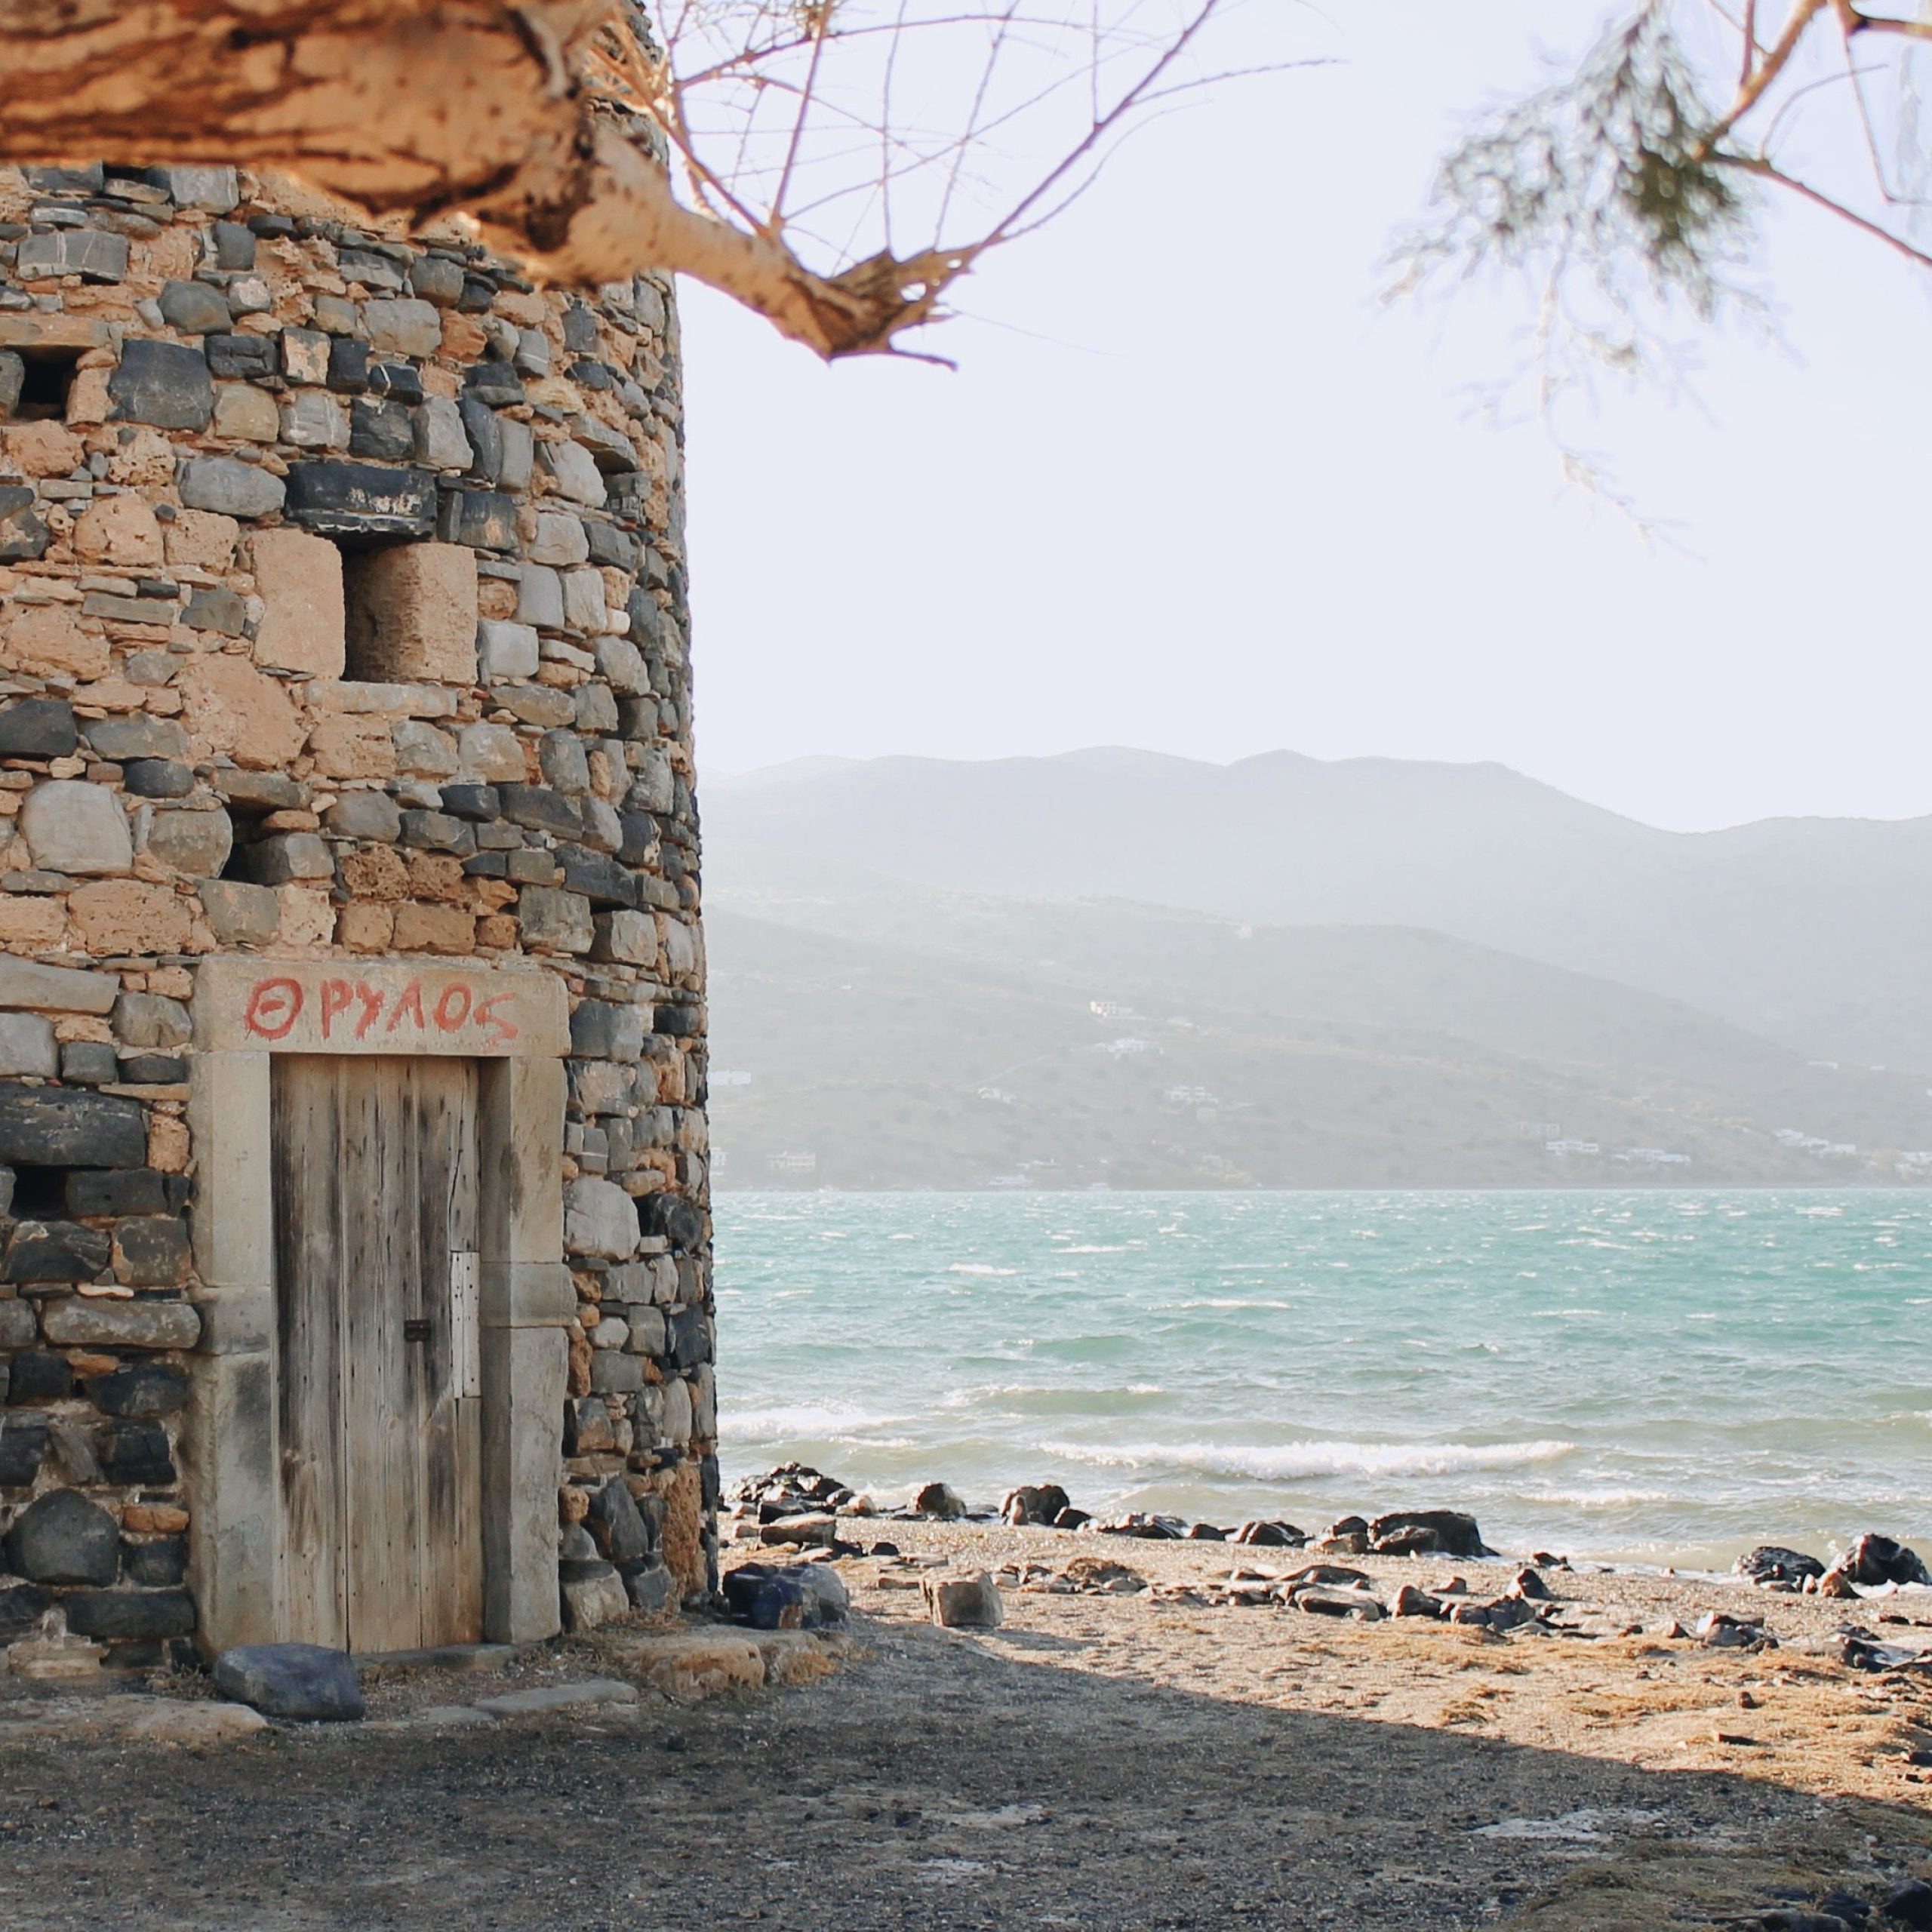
[(342, 618)]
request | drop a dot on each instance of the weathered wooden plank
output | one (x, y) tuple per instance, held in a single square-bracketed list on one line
[(306, 1179)]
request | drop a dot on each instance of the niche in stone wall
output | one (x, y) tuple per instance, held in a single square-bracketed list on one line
[(46, 378), (410, 613)]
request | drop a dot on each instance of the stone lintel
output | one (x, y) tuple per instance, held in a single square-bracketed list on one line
[(379, 1006)]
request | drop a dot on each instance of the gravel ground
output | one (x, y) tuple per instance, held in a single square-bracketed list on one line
[(1097, 1761)]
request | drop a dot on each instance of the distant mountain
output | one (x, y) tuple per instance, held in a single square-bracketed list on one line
[(868, 1032), (1812, 932)]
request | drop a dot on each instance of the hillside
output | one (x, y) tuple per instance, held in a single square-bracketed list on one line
[(1807, 932), (897, 1035)]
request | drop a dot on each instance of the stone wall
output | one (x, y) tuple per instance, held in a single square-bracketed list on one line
[(342, 614)]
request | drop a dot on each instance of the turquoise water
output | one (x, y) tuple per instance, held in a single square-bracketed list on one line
[(1652, 1377)]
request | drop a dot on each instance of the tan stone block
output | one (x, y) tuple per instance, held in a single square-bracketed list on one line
[(200, 539), (172, 982), (436, 875), (495, 933), (114, 915), (88, 400), (463, 339), (83, 1026), (120, 530), (247, 414), (167, 1142), (435, 929), (365, 928), (299, 578), (143, 459), (44, 449), (233, 708), (495, 598), (308, 918), (171, 256), (374, 872), (154, 1519), (31, 925), (412, 613), (348, 746), (48, 640)]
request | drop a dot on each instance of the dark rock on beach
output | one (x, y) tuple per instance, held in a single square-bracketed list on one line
[(940, 1500), (1426, 1533), (1270, 1536), (1874, 1559), (1769, 1564), (1036, 1503)]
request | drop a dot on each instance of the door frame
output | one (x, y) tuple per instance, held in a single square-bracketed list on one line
[(514, 1021)]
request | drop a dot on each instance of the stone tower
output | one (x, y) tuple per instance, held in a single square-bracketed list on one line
[(354, 1276)]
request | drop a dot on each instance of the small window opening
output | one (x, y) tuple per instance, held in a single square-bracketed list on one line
[(368, 650), (49, 376)]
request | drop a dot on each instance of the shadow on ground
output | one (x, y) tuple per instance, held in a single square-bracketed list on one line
[(942, 1781)]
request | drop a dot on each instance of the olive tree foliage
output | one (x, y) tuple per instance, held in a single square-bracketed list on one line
[(1629, 193), (836, 165)]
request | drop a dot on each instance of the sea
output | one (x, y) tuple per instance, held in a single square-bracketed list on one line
[(1654, 1376)]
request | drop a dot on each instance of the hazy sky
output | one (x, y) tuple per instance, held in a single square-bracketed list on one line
[(1213, 502)]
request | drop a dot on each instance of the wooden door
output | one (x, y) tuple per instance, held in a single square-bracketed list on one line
[(375, 1184)]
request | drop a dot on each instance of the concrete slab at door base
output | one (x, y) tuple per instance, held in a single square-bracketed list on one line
[(245, 1011)]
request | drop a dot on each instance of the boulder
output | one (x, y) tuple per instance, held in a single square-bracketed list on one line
[(1874, 1559), (940, 1500), (614, 1522), (1270, 1535), (1908, 1904), (1034, 1503), (591, 1593), (1770, 1564), (1410, 1601), (965, 1603), (306, 1681), (1319, 1600), (1431, 1532)]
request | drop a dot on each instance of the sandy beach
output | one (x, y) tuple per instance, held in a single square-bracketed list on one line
[(1146, 1759)]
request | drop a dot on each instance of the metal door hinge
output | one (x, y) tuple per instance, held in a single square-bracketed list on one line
[(465, 1324)]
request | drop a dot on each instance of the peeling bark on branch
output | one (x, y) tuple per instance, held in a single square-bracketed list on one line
[(421, 108)]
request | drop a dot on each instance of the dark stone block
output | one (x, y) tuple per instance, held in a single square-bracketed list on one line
[(590, 374), (234, 247), (47, 1127), (690, 1333), (401, 382), (154, 1248), (55, 1251), (23, 533), (136, 1452), (610, 545), (21, 1607), (87, 179), (580, 329), (272, 226), (245, 358), (300, 1680), (498, 383), (487, 865), (216, 608), (23, 1444), (154, 1070), (486, 437), (640, 845), (651, 1587), (604, 1029), (438, 832), (614, 1522), (38, 727), (165, 383), (384, 430), (124, 1613), (157, 778), (89, 1063), (712, 1480), (137, 735), (349, 364), (192, 308), (483, 519), (479, 802), (647, 616), (598, 876), (673, 1218), (38, 1376), (536, 806), (147, 1389), (139, 1191), (61, 1537), (359, 500), (680, 1022), (157, 1565), (478, 293)]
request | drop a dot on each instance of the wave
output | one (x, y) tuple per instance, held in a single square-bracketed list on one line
[(819, 1422), (1290, 1461), (979, 1268)]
